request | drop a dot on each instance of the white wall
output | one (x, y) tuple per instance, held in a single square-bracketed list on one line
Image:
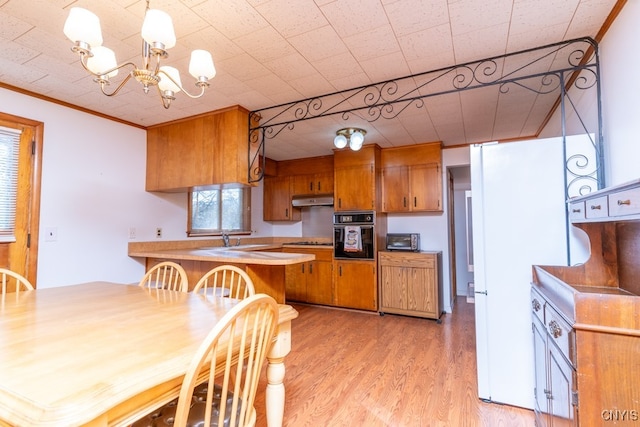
[(93, 174)]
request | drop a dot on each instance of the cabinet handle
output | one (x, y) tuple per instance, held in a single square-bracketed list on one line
[(286, 213), (302, 268), (595, 207), (319, 189), (624, 202), (311, 186), (576, 210), (340, 270), (555, 329), (535, 304), (404, 202), (415, 202), (310, 268)]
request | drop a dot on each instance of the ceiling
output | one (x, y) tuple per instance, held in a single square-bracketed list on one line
[(270, 52)]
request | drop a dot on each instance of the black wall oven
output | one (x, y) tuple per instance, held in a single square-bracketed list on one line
[(354, 235)]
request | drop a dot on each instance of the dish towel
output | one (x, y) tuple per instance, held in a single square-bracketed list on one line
[(352, 238)]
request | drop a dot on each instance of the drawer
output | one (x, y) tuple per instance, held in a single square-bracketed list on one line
[(624, 202), (576, 211), (537, 305), (407, 259), (561, 333), (597, 207)]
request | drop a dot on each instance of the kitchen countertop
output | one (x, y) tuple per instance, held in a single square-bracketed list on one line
[(243, 254)]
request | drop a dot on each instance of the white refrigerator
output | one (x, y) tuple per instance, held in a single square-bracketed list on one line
[(518, 217)]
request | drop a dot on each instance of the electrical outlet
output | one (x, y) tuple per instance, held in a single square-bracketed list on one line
[(159, 232), (132, 233)]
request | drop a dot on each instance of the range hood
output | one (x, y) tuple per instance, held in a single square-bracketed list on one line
[(318, 200)]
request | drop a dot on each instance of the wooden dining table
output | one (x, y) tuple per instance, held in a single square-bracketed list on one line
[(106, 354)]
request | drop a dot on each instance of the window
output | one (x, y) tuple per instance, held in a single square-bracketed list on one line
[(9, 156), (214, 211)]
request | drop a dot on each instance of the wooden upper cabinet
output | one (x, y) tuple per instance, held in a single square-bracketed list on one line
[(277, 200), (309, 176), (318, 183), (357, 179), (412, 179), (199, 152)]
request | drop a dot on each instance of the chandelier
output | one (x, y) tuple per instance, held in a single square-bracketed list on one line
[(82, 27), (352, 136)]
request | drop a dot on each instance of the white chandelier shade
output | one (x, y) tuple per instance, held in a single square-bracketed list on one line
[(82, 27)]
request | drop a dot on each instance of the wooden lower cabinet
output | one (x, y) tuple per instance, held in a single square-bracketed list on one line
[(311, 281), (410, 283), (354, 284)]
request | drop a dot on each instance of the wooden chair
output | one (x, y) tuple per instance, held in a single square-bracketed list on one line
[(13, 282), (166, 275), (241, 340), (226, 281)]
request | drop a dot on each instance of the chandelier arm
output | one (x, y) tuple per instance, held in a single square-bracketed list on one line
[(83, 61), (103, 83), (200, 83)]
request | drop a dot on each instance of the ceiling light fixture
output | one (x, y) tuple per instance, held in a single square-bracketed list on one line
[(82, 27), (352, 136)]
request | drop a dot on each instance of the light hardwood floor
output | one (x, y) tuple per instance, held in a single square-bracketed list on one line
[(357, 369)]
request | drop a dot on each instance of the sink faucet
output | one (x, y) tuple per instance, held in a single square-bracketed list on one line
[(225, 239)]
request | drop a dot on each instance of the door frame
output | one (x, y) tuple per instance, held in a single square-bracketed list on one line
[(22, 255)]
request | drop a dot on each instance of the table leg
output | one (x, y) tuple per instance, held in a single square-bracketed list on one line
[(275, 375)]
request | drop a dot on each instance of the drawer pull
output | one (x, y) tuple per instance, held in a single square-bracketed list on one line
[(576, 210), (595, 207), (535, 304), (554, 329), (624, 202)]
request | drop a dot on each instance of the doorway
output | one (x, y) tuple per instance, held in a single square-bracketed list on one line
[(20, 253), (459, 188)]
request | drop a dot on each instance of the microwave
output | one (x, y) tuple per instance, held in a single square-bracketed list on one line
[(403, 242)]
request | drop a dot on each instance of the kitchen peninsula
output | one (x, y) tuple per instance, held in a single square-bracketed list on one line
[(264, 262)]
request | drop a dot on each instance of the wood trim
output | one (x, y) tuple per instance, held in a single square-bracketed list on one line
[(31, 256), (606, 329), (68, 105)]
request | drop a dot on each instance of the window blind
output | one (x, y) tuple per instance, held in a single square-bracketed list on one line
[(9, 155)]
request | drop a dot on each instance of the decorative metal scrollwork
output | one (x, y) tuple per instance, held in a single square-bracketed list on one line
[(568, 64)]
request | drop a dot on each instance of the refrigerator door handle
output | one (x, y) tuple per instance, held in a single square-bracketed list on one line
[(481, 292)]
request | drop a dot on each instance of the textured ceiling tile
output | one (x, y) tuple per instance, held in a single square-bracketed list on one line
[(471, 16), (292, 17), (233, 18), (386, 67), (379, 41), (290, 67), (350, 17), (319, 44), (214, 41), (12, 27), (244, 67), (529, 17), (472, 46), (265, 44), (312, 85), (339, 66), (408, 17), (431, 45), (16, 52)]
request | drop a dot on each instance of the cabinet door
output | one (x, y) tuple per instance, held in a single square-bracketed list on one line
[(277, 200), (540, 365), (393, 280), (355, 284), (426, 187), (323, 183), (296, 282), (395, 189), (354, 188), (422, 291), (561, 383), (302, 184), (319, 279)]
